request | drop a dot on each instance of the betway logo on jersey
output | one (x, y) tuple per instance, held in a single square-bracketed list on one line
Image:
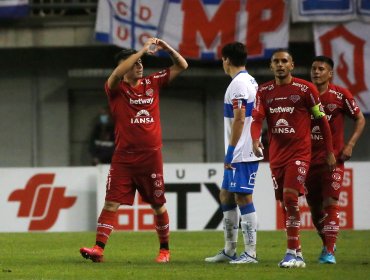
[(141, 101), (279, 109), (142, 116), (282, 127)]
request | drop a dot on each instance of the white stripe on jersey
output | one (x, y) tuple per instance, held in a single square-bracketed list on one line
[(243, 86)]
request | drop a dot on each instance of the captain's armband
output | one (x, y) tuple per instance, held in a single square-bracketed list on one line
[(318, 111)]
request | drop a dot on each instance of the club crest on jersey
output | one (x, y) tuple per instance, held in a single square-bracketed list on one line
[(294, 98), (335, 185), (142, 117), (149, 92), (282, 127), (331, 107), (158, 193)]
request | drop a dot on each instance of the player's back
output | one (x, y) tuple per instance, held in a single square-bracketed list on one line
[(241, 89)]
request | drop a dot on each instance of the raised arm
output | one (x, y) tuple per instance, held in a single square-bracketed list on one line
[(179, 63), (125, 65)]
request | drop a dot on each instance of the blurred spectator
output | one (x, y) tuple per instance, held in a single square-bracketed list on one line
[(102, 138)]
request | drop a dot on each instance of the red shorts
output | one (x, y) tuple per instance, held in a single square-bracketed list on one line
[(292, 175), (136, 171), (322, 183)]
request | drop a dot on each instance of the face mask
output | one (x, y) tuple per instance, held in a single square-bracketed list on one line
[(104, 119)]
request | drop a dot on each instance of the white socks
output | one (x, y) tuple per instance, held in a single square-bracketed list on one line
[(231, 226), (249, 229)]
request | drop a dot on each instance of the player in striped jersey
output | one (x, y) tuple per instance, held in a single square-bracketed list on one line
[(241, 163)]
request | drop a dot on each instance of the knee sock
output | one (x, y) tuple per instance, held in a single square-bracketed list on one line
[(292, 221), (318, 217), (249, 228), (231, 227), (162, 226), (331, 227), (104, 227)]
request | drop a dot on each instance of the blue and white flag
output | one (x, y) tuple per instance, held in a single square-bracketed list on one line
[(198, 29), (13, 8), (330, 10)]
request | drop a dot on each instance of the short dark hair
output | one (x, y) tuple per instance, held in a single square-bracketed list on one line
[(323, 58), (236, 52), (124, 54), (282, 50)]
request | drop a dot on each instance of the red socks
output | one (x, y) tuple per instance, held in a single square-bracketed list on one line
[(163, 228), (105, 226), (331, 227), (292, 220)]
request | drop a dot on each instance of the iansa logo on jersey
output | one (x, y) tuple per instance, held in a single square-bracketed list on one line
[(316, 133), (282, 127), (142, 116)]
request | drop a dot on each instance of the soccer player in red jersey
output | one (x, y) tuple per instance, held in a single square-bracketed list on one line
[(137, 160), (324, 186), (287, 104)]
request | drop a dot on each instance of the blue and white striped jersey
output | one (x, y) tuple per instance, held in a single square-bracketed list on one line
[(242, 90)]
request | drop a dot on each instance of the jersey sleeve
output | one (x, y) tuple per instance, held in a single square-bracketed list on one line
[(239, 95), (313, 102), (258, 111), (161, 78), (111, 92), (349, 104)]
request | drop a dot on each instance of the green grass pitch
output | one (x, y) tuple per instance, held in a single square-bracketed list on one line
[(129, 255)]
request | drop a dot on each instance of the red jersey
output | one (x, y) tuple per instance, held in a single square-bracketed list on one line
[(135, 112), (287, 109), (337, 103)]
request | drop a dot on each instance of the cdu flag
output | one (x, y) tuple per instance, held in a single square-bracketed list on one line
[(196, 28)]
